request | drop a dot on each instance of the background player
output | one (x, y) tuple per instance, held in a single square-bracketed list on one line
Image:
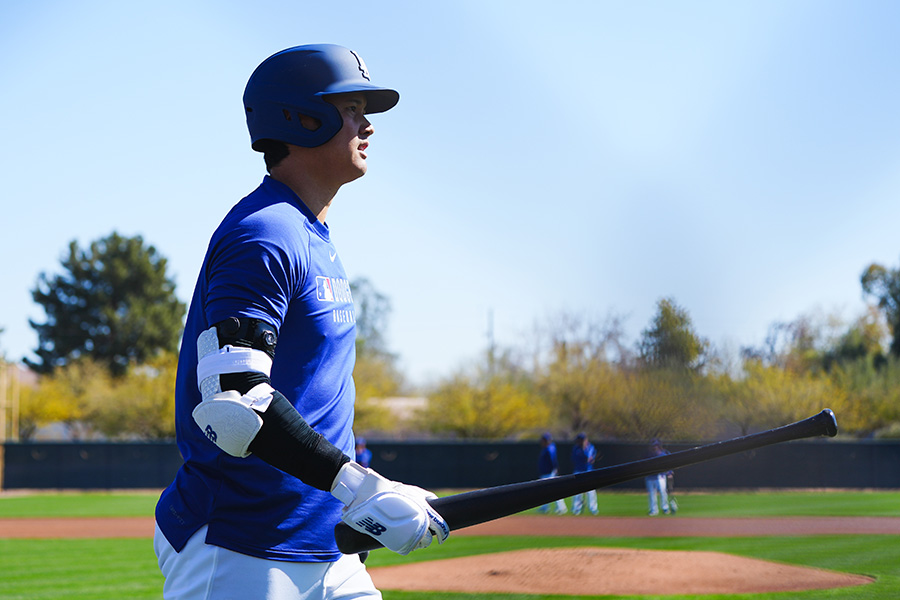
[(548, 466), (363, 454), (264, 392), (656, 484), (583, 456)]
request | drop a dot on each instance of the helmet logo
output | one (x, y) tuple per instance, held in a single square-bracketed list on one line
[(362, 65)]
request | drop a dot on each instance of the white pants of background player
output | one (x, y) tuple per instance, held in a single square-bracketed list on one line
[(204, 572), (656, 484), (578, 502), (561, 507)]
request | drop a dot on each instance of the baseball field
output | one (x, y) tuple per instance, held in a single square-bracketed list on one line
[(754, 545)]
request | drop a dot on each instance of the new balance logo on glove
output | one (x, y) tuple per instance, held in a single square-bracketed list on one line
[(211, 434), (372, 526)]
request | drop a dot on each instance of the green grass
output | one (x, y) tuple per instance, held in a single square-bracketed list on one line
[(78, 569), (101, 569), (612, 504), (90, 504), (761, 504)]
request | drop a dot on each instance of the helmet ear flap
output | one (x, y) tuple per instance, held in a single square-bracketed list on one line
[(292, 124)]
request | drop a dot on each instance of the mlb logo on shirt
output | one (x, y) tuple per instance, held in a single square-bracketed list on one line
[(324, 291)]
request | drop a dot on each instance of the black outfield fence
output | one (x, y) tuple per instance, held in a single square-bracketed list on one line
[(437, 465), (88, 465)]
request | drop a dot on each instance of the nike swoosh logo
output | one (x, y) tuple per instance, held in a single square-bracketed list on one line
[(332, 256)]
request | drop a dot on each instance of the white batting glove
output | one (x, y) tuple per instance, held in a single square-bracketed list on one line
[(395, 514)]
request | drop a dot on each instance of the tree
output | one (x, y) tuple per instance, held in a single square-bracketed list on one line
[(818, 341), (486, 403), (863, 341), (661, 403), (670, 342), (796, 345), (138, 405), (768, 396), (373, 310), (581, 389), (375, 380), (871, 392), (114, 303), (63, 396), (375, 374), (581, 375), (884, 285), (84, 397)]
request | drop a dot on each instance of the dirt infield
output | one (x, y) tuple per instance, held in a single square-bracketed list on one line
[(601, 571), (525, 525), (574, 571)]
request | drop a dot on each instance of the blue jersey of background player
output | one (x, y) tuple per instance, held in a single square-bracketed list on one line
[(548, 466), (583, 454), (264, 393), (548, 463)]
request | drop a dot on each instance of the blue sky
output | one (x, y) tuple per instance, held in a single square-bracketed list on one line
[(585, 158)]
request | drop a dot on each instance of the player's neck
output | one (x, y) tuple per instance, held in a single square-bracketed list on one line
[(316, 196)]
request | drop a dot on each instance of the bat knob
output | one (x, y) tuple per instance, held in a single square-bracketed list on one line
[(829, 422)]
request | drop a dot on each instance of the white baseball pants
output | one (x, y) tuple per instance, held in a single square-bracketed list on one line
[(656, 484), (204, 572), (561, 507), (578, 502)]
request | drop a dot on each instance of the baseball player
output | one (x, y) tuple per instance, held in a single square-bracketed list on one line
[(583, 456), (656, 484), (670, 491), (548, 466), (363, 454), (264, 393)]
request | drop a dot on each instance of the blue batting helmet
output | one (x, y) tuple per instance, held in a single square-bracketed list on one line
[(298, 80)]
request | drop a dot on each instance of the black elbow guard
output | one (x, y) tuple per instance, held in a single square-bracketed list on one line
[(286, 441)]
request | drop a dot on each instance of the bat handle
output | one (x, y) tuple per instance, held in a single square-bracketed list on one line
[(350, 541)]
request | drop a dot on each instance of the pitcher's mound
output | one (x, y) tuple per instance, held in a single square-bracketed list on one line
[(599, 571)]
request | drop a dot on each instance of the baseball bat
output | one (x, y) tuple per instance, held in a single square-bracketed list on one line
[(479, 506)]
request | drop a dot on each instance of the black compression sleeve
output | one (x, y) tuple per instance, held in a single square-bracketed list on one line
[(286, 441)]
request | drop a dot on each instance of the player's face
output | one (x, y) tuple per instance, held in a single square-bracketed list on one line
[(345, 153)]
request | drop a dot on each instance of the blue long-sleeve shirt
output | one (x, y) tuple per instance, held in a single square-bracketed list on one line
[(547, 461)]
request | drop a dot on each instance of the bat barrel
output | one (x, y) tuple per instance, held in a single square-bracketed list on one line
[(479, 506)]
